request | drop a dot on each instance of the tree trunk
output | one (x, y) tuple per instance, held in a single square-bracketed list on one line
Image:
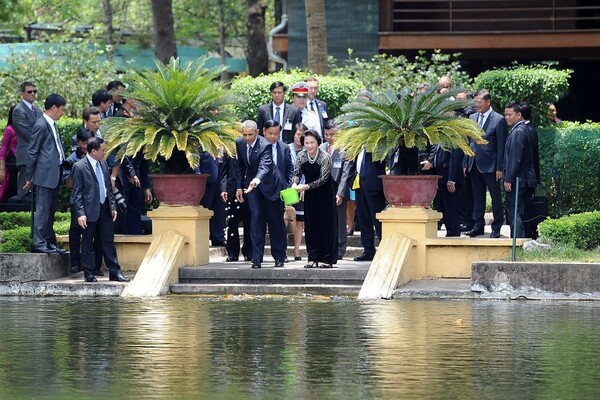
[(110, 30), (164, 30), (256, 51), (222, 38), (316, 36)]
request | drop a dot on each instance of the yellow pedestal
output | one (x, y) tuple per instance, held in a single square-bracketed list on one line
[(190, 221), (415, 223)]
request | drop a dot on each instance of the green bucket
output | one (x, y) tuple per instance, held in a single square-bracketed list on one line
[(289, 196)]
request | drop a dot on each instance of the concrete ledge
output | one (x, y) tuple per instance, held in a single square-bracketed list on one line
[(59, 289), (513, 280), (438, 289), (260, 289), (25, 267)]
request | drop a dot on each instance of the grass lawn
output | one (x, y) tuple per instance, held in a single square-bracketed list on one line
[(560, 254)]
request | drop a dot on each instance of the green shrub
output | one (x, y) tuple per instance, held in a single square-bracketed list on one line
[(384, 72), (16, 231), (570, 167), (579, 230), (74, 70), (253, 92), (538, 85)]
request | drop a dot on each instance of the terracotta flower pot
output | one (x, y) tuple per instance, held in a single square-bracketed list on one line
[(180, 190), (409, 190)]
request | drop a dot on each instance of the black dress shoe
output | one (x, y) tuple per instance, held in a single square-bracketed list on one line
[(231, 259), (219, 244), (247, 258), (297, 258), (118, 277), (465, 227), (364, 257), (99, 272), (44, 250), (495, 234), (255, 266), (278, 264), (56, 248), (75, 269), (475, 232), (89, 277), (286, 260)]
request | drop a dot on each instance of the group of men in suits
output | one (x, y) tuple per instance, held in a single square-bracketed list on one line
[(41, 158)]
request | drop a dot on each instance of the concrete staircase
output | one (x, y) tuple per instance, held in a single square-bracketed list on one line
[(220, 277)]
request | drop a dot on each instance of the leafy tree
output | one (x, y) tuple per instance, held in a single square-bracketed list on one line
[(73, 71), (384, 72)]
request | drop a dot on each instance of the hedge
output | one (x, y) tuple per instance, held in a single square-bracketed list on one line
[(16, 230), (251, 92), (579, 230), (570, 167), (538, 85)]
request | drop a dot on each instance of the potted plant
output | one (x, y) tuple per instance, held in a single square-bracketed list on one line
[(383, 123), (181, 109)]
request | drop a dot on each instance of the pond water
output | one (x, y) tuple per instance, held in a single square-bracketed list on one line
[(296, 348)]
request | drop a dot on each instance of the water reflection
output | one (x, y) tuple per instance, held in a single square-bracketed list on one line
[(189, 347)]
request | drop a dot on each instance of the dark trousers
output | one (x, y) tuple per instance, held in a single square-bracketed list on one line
[(479, 183), (75, 233), (342, 231), (237, 212), (212, 201), (448, 205), (277, 230), (102, 231), (46, 201), (367, 205), (511, 198), (465, 203), (134, 197)]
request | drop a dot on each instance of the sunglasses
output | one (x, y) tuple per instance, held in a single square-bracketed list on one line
[(31, 91)]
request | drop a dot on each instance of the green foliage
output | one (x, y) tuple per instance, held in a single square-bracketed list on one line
[(538, 85), (388, 73), (16, 231), (171, 99), (560, 253), (385, 122), (250, 93), (74, 71), (579, 230)]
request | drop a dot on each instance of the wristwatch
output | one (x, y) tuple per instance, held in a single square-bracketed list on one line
[(113, 178)]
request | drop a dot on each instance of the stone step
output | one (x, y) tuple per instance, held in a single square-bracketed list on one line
[(262, 289), (294, 273), (218, 253)]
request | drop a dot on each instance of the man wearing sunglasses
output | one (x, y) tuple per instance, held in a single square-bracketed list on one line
[(24, 117)]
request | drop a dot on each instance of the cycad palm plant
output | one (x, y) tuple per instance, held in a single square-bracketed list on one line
[(180, 109), (384, 122)]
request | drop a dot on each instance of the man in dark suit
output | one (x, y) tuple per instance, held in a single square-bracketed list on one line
[(254, 179), (96, 210), (518, 163), (449, 164), (485, 168), (369, 201), (103, 100), (25, 115), (343, 173), (45, 158), (236, 211), (529, 224), (115, 88), (315, 105), (280, 111), (283, 171)]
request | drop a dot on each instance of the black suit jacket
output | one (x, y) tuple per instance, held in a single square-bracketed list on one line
[(86, 190), (518, 161), (290, 117), (369, 179), (490, 156), (260, 167), (450, 163), (285, 168)]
